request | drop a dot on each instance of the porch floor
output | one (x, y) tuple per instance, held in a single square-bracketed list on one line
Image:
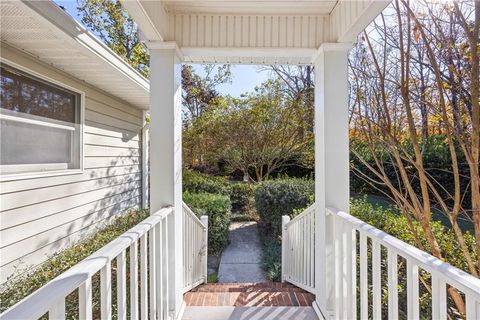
[(249, 313)]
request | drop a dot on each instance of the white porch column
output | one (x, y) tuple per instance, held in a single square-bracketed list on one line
[(331, 161), (166, 156)]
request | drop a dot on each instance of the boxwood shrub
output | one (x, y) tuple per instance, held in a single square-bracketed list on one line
[(242, 196), (276, 198), (218, 209), (196, 182)]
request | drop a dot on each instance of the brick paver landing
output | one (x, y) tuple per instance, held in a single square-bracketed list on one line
[(248, 295)]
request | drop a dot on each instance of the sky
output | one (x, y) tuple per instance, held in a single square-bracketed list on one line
[(244, 77)]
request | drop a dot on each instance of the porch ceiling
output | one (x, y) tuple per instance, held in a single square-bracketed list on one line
[(256, 32)]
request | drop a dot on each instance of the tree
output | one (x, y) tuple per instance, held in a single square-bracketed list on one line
[(112, 24), (418, 64), (198, 95), (259, 133)]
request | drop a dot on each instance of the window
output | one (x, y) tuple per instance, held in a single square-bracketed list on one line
[(40, 124)]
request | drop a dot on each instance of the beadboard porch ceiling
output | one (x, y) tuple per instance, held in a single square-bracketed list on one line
[(251, 32)]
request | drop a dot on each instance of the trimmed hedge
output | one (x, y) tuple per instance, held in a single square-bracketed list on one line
[(276, 198), (195, 182), (218, 209), (242, 195)]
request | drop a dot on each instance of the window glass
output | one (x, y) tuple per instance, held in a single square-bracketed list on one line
[(40, 124)]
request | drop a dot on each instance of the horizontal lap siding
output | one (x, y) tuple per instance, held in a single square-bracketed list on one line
[(41, 216)]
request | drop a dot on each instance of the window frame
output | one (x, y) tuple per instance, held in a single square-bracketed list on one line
[(56, 169)]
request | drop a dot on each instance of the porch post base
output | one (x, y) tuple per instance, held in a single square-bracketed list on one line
[(322, 314), (181, 311)]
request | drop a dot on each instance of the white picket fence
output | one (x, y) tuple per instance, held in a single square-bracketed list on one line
[(195, 245), (147, 247), (298, 250)]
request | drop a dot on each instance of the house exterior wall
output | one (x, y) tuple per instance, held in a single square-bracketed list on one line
[(39, 216)]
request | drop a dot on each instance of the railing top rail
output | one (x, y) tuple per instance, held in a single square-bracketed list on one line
[(452, 275), (193, 215), (40, 302), (301, 215)]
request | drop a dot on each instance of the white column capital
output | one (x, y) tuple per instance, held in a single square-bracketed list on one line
[(331, 47), (165, 45)]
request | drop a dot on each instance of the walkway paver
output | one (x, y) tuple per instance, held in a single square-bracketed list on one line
[(240, 261)]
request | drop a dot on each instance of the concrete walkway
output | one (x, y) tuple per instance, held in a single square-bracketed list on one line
[(240, 261)]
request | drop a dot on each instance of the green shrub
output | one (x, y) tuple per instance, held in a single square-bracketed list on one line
[(276, 198), (195, 182), (20, 286), (218, 209), (242, 196), (271, 257)]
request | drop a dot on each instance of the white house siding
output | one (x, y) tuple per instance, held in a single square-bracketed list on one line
[(40, 216)]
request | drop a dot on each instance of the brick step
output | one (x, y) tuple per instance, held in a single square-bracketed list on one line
[(247, 287), (248, 295)]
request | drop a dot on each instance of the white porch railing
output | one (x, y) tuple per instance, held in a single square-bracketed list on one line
[(352, 240), (195, 245), (298, 250), (349, 232), (147, 247)]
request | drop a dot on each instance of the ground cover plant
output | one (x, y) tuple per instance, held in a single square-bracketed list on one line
[(21, 286)]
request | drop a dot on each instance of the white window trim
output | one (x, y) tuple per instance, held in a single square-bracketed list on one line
[(53, 172)]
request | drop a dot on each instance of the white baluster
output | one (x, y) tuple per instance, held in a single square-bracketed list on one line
[(57, 312), (106, 291), (121, 287), (376, 279), (134, 281), (413, 311), (85, 300), (392, 284), (439, 297), (472, 307), (143, 278), (363, 277), (152, 272)]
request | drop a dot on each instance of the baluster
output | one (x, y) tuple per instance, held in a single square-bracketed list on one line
[(58, 310), (347, 269), (439, 297), (363, 277), (106, 291), (353, 271), (165, 264), (158, 270), (312, 248), (133, 281), (121, 287), (143, 278), (377, 280), (392, 284), (85, 300), (339, 307), (307, 250), (472, 307), (152, 272), (413, 312), (204, 220), (304, 250)]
